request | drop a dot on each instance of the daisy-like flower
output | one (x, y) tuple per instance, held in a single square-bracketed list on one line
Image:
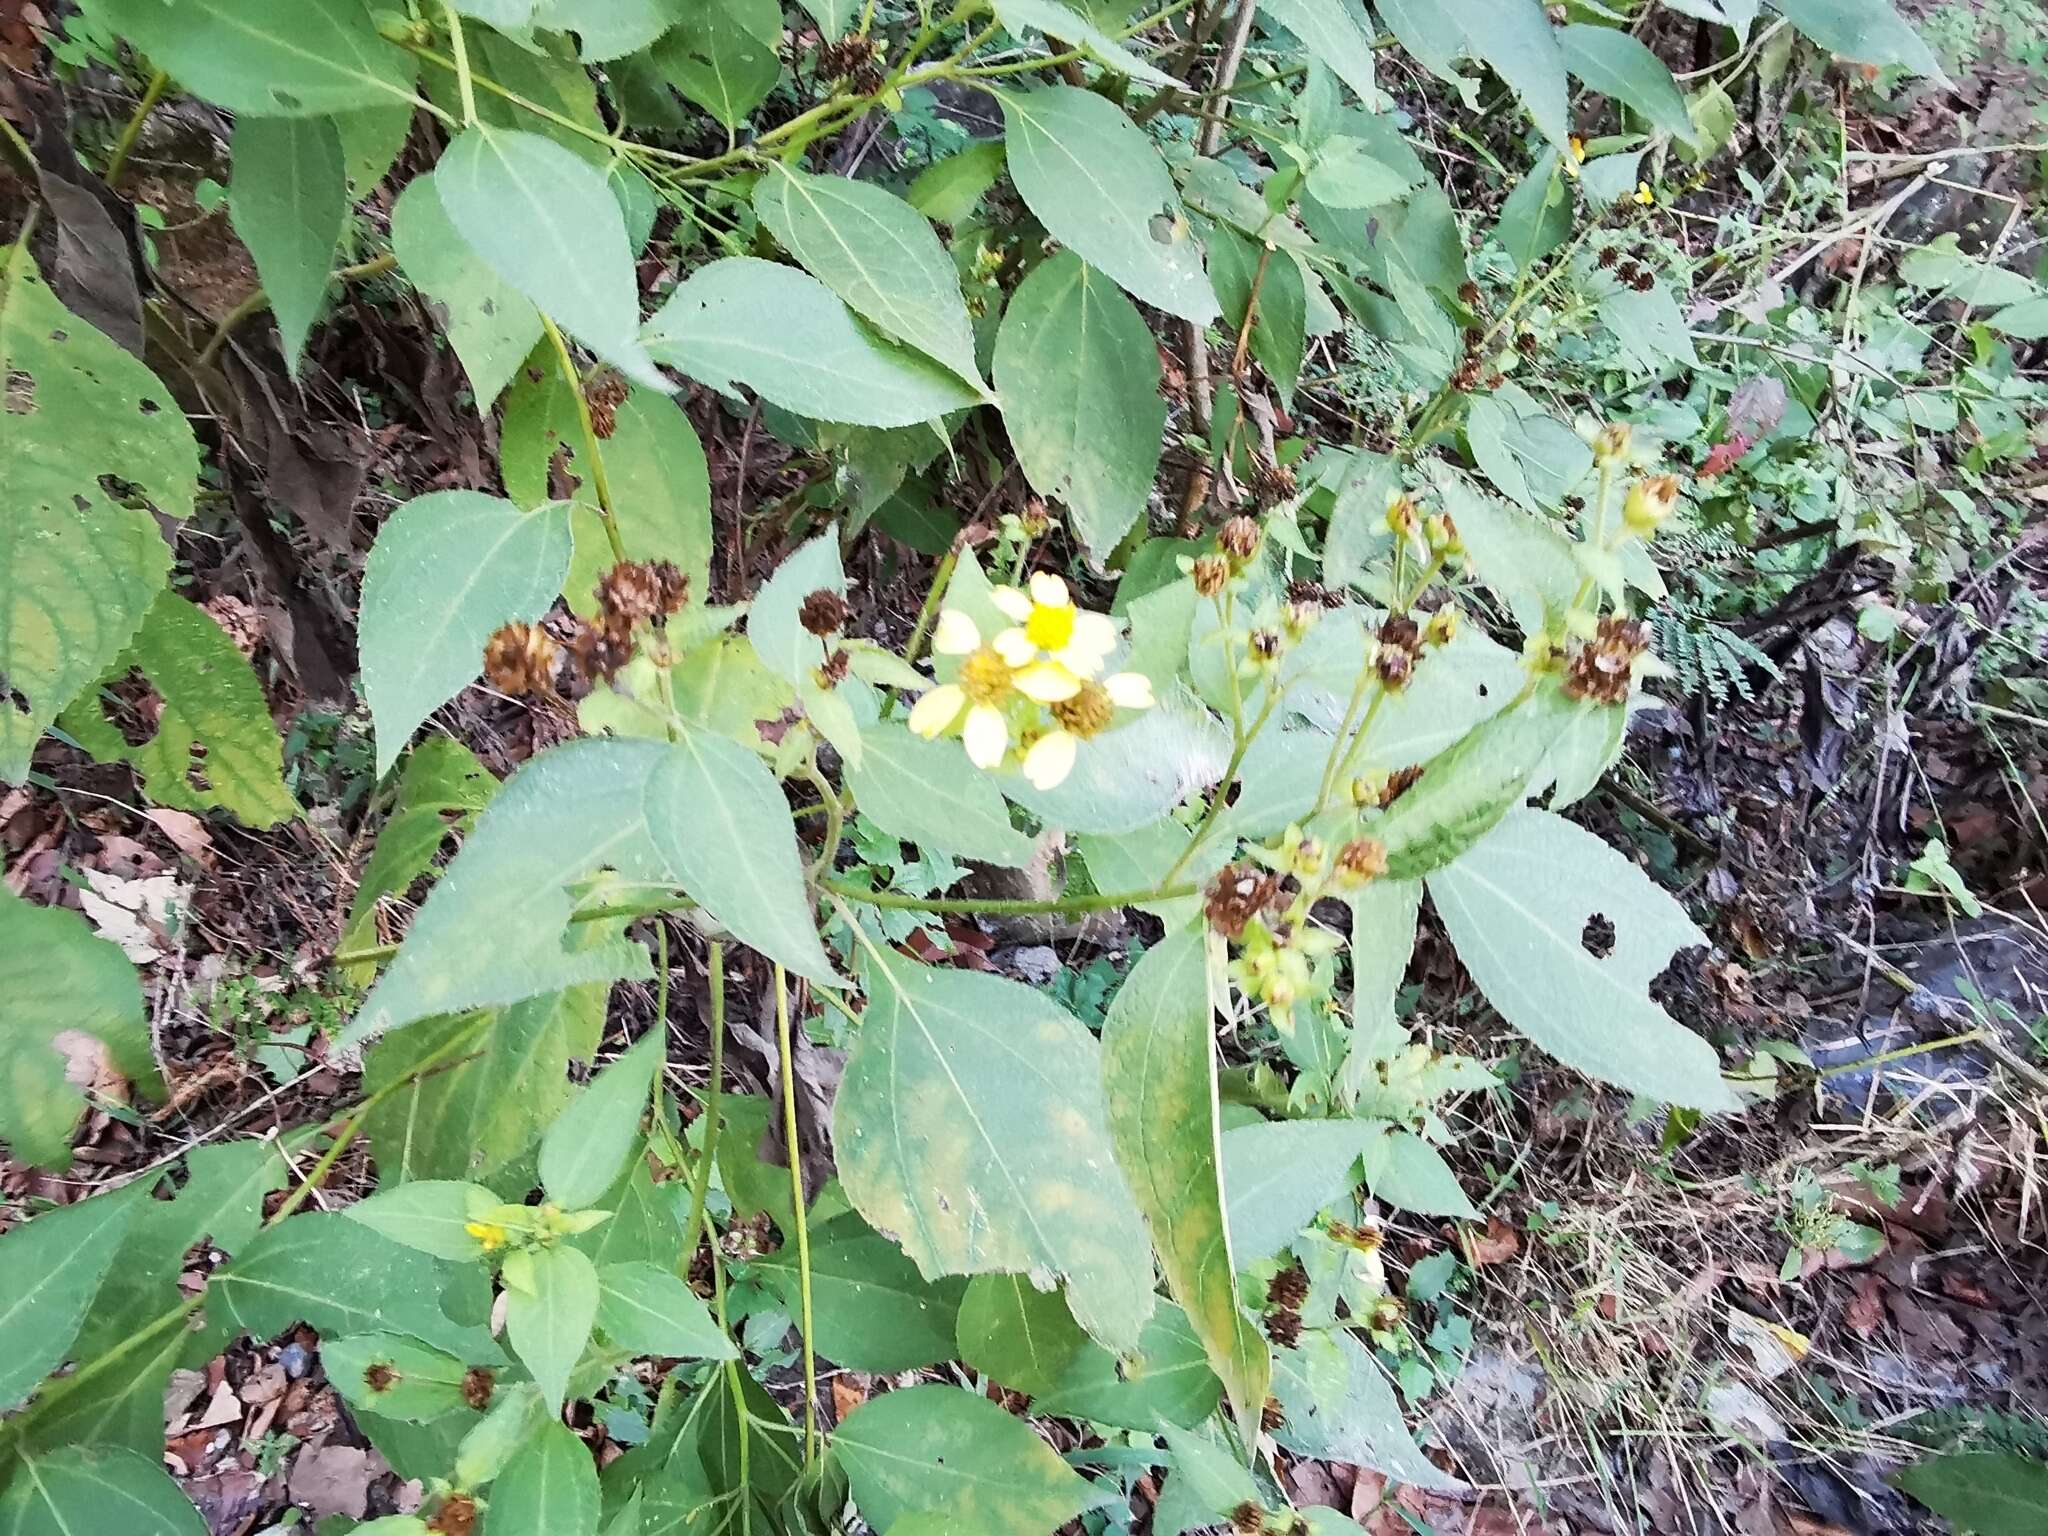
[(1050, 758), (1049, 626)]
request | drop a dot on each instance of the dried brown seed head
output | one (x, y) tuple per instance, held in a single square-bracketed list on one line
[(520, 660), (1236, 896), (456, 1517), (1272, 484), (1239, 538), (1362, 859), (1401, 633), (1088, 713), (823, 612), (1288, 1289), (1284, 1328), (1399, 782), (381, 1376), (1211, 574), (600, 651), (636, 592), (605, 394), (478, 1383)]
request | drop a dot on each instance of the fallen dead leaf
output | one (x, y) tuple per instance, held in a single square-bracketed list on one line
[(138, 915), (331, 1480), (89, 1066), (187, 831), (1496, 1245), (1772, 1347), (847, 1395), (1865, 1312)]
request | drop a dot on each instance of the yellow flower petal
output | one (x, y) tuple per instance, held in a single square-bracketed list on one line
[(937, 710), (1015, 647), (956, 634), (987, 736), (1129, 690), (1050, 759), (1014, 604), (1048, 591), (1048, 682)]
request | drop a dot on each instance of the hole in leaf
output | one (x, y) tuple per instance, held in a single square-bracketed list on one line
[(132, 707), (21, 393), (60, 336), (579, 1072), (1597, 937), (150, 407), (1483, 693), (1165, 227), (11, 696)]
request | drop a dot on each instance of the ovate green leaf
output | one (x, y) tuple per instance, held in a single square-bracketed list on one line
[(1159, 1079), (1411, 1175), (1868, 31), (289, 202), (1994, 1493), (302, 60), (544, 221), (395, 1377), (1337, 32), (1280, 1174), (423, 634), (1613, 63), (215, 745), (1167, 1380), (948, 190), (491, 324), (551, 1299), (1517, 906), (877, 253), (725, 55), (926, 792), (792, 340), (1515, 37), (942, 1451), (588, 1146), (609, 29), (1074, 30), (1465, 791), (1337, 1403), (1016, 1333), (970, 1125), (431, 1215), (50, 1270), (440, 792), (873, 1311), (548, 1489), (57, 975), (95, 1488), (1536, 219), (1096, 182), (647, 1309), (1079, 376), (1529, 455), (1279, 324), (1650, 328), (79, 566)]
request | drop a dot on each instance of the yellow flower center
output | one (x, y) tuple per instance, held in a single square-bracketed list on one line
[(985, 677), (1088, 713), (1050, 628)]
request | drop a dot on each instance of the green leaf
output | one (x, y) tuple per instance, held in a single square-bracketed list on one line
[(2024, 321), (790, 339), (431, 1215), (289, 200), (1994, 1493), (440, 792), (1096, 182), (215, 745), (95, 1488), (1138, 861), (79, 566), (1336, 32), (423, 635), (548, 1489), (1079, 376), (725, 56), (1159, 1079), (1411, 1175), (948, 190), (877, 253), (1345, 173), (942, 1451), (1279, 1174), (57, 975), (1942, 265), (1529, 455), (1516, 907), (340, 1278), (1609, 60), (254, 56), (646, 1309), (871, 1309), (1212, 1480), (1167, 1380), (491, 324), (1466, 790), (371, 139), (516, 1413), (1075, 30), (703, 814), (1132, 776), (1516, 39), (1337, 1403), (545, 221), (590, 1143), (644, 1226), (1525, 561), (551, 1299), (927, 793), (1650, 328), (835, 18), (1016, 1333), (50, 1270), (608, 29), (1279, 331), (774, 623), (480, 1117), (395, 1377), (1536, 218), (970, 1124), (1868, 31)]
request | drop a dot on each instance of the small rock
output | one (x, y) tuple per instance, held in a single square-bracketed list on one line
[(296, 1360), (1035, 964)]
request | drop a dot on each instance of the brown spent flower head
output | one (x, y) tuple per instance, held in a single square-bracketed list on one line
[(836, 666), (1607, 258), (1399, 782), (457, 1517), (1364, 1239), (1603, 669), (1304, 590), (478, 1383), (1239, 893), (1400, 633), (1034, 520), (823, 612), (1525, 343), (1468, 295), (1088, 713), (606, 393), (846, 57), (520, 659), (1239, 538), (381, 1376), (1265, 645), (1284, 1328), (600, 650), (1396, 668), (1272, 1415), (1361, 860), (1643, 282), (636, 592), (1247, 1519), (1288, 1289), (1272, 484), (1211, 574)]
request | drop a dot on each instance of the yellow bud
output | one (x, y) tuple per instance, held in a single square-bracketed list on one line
[(1650, 501), (488, 1233)]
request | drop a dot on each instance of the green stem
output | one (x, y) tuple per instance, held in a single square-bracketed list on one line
[(700, 1183), (1251, 311), (1006, 906), (1216, 802), (593, 448), (628, 910), (132, 129), (259, 301), (798, 1203), (461, 50), (835, 814)]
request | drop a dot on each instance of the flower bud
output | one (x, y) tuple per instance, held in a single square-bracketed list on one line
[(1442, 627), (1611, 443), (1306, 858), (1649, 502), (1402, 515), (1361, 860)]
